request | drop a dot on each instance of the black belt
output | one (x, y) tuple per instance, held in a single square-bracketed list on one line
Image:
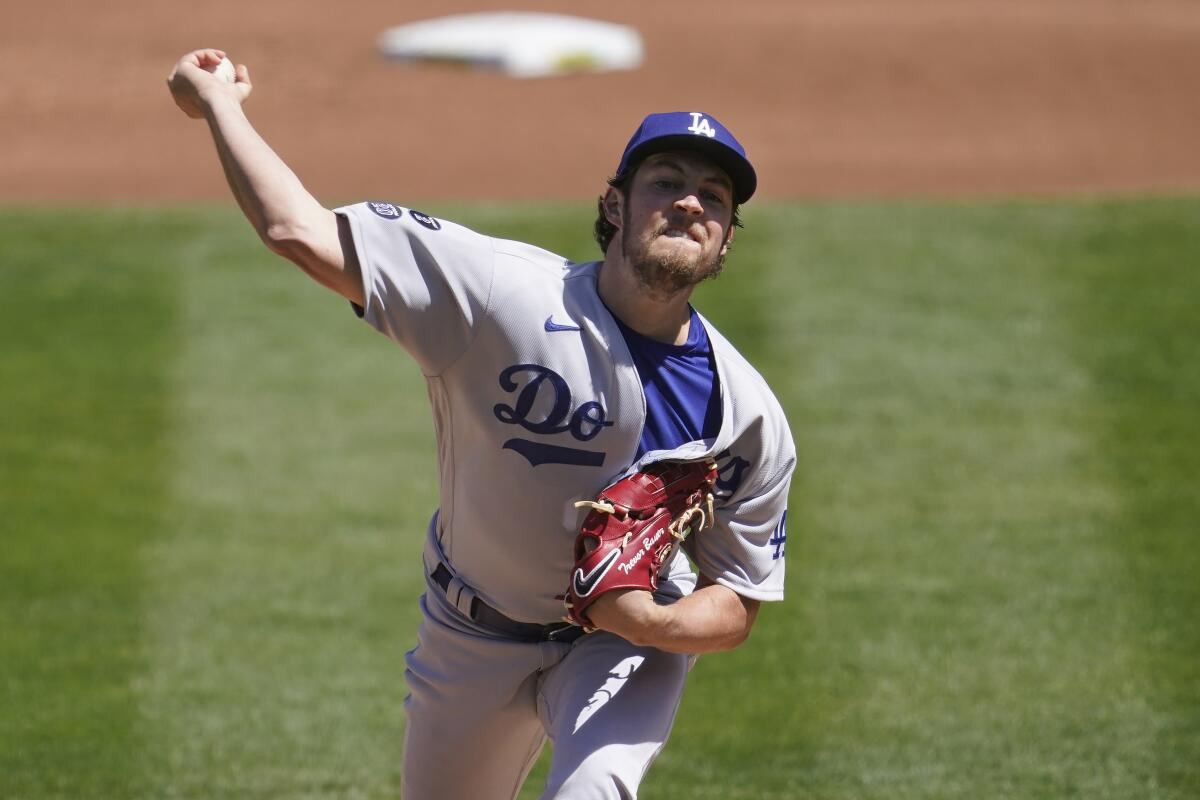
[(489, 617)]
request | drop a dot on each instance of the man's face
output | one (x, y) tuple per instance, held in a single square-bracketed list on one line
[(676, 221)]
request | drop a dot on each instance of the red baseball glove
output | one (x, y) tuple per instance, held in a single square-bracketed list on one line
[(632, 530)]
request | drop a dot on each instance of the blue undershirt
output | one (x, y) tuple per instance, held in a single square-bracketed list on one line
[(683, 399)]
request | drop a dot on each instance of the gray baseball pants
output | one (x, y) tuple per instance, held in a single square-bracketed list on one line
[(481, 707)]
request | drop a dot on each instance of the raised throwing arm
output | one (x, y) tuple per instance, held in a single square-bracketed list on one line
[(287, 218)]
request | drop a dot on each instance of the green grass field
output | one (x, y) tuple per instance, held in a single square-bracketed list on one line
[(214, 481)]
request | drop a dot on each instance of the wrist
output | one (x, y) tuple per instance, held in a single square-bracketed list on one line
[(218, 104)]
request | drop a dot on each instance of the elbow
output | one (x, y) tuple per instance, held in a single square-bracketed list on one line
[(730, 641), (738, 638), (736, 614), (700, 646), (283, 239), (741, 621)]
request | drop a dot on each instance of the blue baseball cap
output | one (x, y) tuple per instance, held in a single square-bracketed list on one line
[(692, 130)]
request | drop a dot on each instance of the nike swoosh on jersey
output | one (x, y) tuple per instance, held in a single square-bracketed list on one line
[(584, 584), (552, 326)]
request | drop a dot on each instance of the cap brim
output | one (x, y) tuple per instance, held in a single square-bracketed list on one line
[(745, 180)]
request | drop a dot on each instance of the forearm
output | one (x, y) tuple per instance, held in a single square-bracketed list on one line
[(287, 218), (711, 619), (266, 189)]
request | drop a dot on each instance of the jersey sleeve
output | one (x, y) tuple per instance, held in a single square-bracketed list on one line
[(744, 549), (426, 281)]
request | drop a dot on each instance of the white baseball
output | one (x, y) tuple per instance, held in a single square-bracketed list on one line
[(225, 71)]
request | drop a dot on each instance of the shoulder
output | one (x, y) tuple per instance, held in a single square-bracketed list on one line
[(756, 441), (385, 229), (399, 218), (530, 254), (742, 379)]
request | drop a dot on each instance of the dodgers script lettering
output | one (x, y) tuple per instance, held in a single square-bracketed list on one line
[(539, 387)]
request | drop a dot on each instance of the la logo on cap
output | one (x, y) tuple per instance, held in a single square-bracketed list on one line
[(691, 130), (700, 125)]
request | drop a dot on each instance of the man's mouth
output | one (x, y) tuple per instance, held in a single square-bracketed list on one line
[(676, 233)]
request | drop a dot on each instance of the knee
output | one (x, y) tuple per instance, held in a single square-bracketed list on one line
[(597, 778)]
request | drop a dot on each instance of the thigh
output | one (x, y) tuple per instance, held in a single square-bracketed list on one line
[(472, 725), (608, 708)]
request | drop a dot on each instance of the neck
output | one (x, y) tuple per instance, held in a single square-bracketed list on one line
[(655, 314)]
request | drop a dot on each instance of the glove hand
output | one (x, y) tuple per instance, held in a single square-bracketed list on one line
[(632, 531)]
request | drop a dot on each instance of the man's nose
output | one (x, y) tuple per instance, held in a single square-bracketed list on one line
[(690, 203)]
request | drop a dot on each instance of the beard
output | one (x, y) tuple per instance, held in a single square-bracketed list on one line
[(666, 274)]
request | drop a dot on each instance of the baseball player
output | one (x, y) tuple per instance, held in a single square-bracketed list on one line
[(549, 381)]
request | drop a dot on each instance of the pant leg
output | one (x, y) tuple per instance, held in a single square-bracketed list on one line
[(608, 708), (472, 726)]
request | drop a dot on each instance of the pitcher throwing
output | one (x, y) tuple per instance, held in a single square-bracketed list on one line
[(581, 409)]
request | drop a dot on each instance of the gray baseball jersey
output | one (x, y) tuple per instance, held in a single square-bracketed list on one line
[(537, 403)]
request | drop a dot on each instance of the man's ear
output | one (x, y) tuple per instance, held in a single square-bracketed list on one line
[(612, 206), (728, 240)]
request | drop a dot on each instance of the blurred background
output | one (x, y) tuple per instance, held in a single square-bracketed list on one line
[(970, 275), (845, 97)]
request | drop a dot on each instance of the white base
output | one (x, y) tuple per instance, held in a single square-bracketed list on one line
[(520, 44)]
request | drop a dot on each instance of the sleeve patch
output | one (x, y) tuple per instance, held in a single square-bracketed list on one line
[(425, 220), (779, 537), (385, 210)]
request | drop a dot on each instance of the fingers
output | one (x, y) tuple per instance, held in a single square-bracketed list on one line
[(201, 59), (206, 58), (193, 86), (241, 82)]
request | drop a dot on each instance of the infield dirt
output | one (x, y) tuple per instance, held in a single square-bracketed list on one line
[(832, 97)]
